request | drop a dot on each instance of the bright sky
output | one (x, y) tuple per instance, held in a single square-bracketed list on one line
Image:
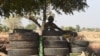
[(89, 18)]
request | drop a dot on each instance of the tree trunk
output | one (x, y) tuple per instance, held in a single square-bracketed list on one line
[(44, 16)]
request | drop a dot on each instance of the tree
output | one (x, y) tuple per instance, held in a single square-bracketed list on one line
[(3, 28), (77, 28), (68, 28), (12, 22), (29, 7), (31, 26), (83, 29), (71, 28)]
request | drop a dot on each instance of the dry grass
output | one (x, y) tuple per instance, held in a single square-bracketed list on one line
[(92, 37), (89, 36)]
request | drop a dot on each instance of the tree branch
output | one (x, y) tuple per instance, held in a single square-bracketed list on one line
[(35, 21)]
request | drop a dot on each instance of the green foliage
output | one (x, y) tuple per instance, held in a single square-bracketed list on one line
[(68, 28), (31, 26), (71, 28), (3, 28), (77, 28), (26, 6), (12, 22), (29, 7)]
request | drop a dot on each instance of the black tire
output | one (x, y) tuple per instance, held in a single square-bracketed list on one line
[(80, 43), (23, 36), (55, 44), (74, 34), (24, 44), (21, 30), (56, 51), (52, 33), (78, 49), (22, 52), (53, 38)]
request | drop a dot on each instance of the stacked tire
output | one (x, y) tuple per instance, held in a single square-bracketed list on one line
[(55, 46), (79, 45), (23, 44)]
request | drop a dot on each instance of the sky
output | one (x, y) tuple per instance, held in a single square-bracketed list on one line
[(89, 18)]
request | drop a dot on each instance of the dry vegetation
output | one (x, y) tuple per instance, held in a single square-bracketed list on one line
[(92, 37), (89, 36)]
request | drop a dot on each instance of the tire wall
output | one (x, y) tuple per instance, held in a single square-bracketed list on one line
[(55, 45), (23, 44), (79, 46)]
